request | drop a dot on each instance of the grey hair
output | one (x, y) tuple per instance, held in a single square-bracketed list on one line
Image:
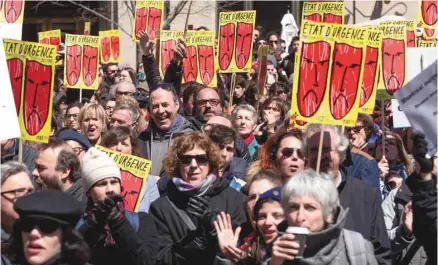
[(246, 107), (11, 168), (134, 110), (341, 142), (321, 187)]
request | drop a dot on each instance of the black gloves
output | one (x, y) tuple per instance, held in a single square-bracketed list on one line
[(200, 208), (109, 211), (419, 152)]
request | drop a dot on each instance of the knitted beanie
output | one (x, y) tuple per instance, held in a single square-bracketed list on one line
[(96, 165)]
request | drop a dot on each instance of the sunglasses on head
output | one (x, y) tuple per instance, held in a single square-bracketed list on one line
[(187, 159), (289, 151), (44, 225)]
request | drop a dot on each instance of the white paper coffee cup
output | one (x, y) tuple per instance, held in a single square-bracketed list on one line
[(300, 234)]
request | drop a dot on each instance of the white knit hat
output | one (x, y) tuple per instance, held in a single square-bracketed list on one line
[(96, 165)]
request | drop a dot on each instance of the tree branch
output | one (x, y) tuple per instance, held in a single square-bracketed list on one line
[(176, 10), (99, 15)]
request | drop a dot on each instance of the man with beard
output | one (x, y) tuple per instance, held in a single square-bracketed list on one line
[(365, 213), (207, 104), (57, 167), (110, 72), (166, 123)]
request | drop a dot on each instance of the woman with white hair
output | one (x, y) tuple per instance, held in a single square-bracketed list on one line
[(311, 201), (244, 119)]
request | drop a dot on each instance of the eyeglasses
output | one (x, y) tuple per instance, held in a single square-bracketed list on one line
[(112, 71), (20, 192), (187, 159), (74, 116), (279, 92), (127, 93), (44, 225), (78, 150), (213, 102), (355, 129), (272, 108), (289, 151)]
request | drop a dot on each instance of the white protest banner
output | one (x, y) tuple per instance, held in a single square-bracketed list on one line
[(398, 116), (419, 59), (7, 103), (419, 102)]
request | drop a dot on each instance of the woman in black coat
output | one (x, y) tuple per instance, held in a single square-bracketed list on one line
[(195, 195)]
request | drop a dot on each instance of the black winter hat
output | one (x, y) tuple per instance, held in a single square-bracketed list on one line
[(66, 135), (52, 205)]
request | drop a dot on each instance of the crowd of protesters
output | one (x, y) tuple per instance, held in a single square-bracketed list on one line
[(226, 181)]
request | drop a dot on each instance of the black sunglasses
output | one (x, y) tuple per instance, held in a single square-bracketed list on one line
[(44, 225), (187, 159), (355, 129), (289, 151)]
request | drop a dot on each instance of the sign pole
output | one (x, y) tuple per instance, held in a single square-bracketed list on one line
[(382, 107), (321, 138), (232, 87), (20, 150)]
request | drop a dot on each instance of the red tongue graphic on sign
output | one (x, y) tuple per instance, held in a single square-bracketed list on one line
[(190, 67), (141, 19), (314, 17), (106, 48), (89, 67), (73, 63), (206, 63), (45, 41), (429, 32), (167, 49), (37, 94), (15, 67), (154, 23), (313, 75), (331, 18), (12, 10), (369, 74), (132, 188), (226, 45), (393, 64), (410, 36), (115, 47), (243, 44), (55, 41), (346, 68), (429, 12)]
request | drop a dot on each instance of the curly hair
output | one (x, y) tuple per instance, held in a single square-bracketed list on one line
[(187, 142)]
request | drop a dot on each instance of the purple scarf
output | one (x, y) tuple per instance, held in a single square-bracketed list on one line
[(198, 189)]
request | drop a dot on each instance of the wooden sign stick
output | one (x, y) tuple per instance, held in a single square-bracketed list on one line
[(232, 87), (321, 138), (20, 150), (382, 106), (186, 25)]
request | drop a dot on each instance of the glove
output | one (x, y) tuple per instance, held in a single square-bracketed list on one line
[(200, 207), (419, 152), (198, 244), (109, 211)]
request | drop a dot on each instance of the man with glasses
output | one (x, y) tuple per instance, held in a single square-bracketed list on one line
[(57, 167), (125, 88), (207, 104), (15, 183)]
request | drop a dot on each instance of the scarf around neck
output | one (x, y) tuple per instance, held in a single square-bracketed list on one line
[(249, 139), (198, 189)]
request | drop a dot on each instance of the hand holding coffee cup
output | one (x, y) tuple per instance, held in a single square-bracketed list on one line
[(300, 234), (289, 246)]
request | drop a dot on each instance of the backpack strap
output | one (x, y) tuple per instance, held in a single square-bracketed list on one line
[(355, 245), (182, 214), (410, 253)]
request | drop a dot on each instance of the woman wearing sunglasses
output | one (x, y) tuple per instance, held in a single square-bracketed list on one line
[(195, 195), (45, 232), (282, 153), (361, 134)]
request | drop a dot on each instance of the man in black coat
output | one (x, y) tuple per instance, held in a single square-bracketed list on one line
[(365, 215)]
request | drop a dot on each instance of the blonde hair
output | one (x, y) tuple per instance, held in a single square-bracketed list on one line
[(98, 111)]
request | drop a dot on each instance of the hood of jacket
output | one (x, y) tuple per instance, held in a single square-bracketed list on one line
[(324, 245), (179, 125)]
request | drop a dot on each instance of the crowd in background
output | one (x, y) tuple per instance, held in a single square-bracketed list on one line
[(226, 181)]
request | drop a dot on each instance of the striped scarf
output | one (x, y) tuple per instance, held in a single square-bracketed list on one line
[(198, 189)]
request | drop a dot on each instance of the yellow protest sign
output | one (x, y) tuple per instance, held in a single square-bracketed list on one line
[(81, 61), (135, 172), (87, 28), (328, 73), (200, 64), (52, 37), (148, 18), (168, 40), (427, 18), (370, 79), (31, 68), (326, 12), (393, 71), (429, 43), (11, 12), (411, 38), (236, 41), (109, 46)]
